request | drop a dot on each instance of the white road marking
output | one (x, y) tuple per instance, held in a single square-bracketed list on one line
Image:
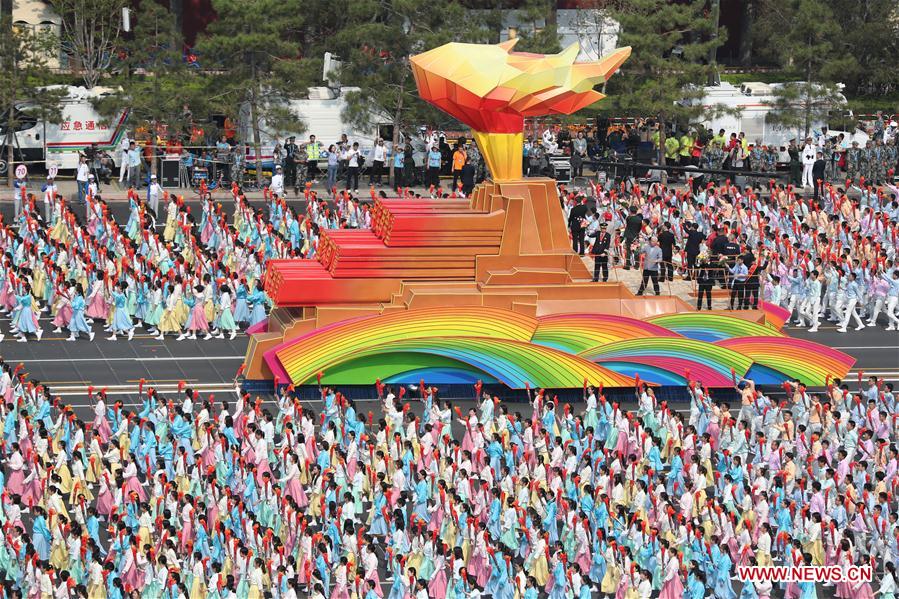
[(134, 359)]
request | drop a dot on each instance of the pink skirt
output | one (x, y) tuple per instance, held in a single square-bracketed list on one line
[(132, 580), (33, 493), (673, 589), (295, 490), (97, 308), (16, 482), (105, 503), (198, 320), (262, 468), (102, 430), (133, 485), (436, 586), (478, 567), (340, 592), (63, 316), (187, 530)]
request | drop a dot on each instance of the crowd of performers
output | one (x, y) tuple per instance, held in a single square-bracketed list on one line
[(183, 279), (194, 497), (832, 257)]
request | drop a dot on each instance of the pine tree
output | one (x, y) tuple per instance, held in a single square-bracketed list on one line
[(394, 30), (90, 33), (808, 49), (154, 83), (671, 42), (23, 76), (253, 51)]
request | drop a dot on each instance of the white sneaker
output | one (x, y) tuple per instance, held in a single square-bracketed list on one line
[(207, 337), (233, 335), (860, 327), (872, 324), (2, 336), (889, 328), (181, 337), (130, 333), (841, 330), (39, 334), (220, 336), (113, 338), (193, 337), (159, 337), (71, 337), (813, 330), (91, 335), (89, 320), (22, 339), (57, 330)]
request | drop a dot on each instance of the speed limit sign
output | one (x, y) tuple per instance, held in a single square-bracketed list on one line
[(51, 173), (21, 171)]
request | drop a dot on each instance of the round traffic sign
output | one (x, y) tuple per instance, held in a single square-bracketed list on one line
[(52, 171), (21, 171)]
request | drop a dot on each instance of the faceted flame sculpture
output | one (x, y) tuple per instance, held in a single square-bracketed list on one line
[(491, 89)]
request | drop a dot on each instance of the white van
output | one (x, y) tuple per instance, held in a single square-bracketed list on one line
[(322, 115), (59, 143), (752, 101)]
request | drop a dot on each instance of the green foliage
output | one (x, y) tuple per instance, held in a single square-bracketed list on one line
[(810, 49), (90, 32), (831, 41), (798, 104), (538, 33), (670, 42), (154, 82), (23, 75), (255, 61), (393, 30), (777, 76)]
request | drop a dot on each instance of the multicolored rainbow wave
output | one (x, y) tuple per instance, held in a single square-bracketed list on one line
[(468, 343), (713, 327)]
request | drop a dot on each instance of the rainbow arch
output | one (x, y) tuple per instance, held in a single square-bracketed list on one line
[(309, 354), (580, 332), (713, 327), (514, 363), (708, 363), (798, 359), (467, 343)]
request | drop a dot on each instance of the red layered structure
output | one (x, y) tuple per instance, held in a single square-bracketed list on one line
[(409, 240)]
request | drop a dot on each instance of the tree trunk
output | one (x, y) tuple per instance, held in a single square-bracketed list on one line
[(10, 132), (745, 49), (662, 138), (713, 52), (397, 118), (808, 106), (257, 138)]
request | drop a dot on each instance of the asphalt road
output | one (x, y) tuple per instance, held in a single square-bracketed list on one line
[(70, 367), (210, 366)]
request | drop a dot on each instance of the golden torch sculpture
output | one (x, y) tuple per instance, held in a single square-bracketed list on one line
[(491, 89)]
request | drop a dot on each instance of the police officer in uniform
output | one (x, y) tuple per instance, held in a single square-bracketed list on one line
[(853, 158), (577, 221), (291, 150), (600, 252)]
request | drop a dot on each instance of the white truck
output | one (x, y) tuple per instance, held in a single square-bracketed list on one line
[(322, 114), (752, 101), (59, 143)]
